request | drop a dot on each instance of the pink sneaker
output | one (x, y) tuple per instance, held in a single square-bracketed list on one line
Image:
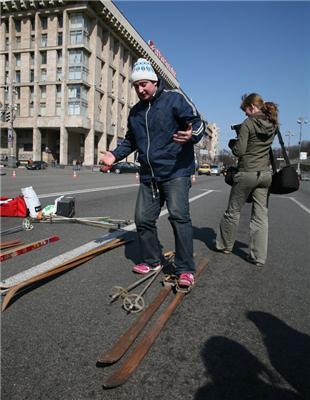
[(144, 268), (186, 280)]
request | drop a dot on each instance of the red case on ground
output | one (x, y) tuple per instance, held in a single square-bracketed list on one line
[(13, 207)]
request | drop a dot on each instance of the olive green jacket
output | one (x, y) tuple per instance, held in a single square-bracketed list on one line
[(253, 143)]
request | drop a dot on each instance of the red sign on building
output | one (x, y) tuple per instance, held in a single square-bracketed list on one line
[(161, 57)]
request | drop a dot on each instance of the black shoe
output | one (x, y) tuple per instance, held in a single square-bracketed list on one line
[(252, 261), (225, 251)]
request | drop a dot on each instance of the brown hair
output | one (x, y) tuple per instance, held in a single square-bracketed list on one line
[(268, 108)]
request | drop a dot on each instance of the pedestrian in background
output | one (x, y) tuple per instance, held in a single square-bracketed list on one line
[(163, 128), (254, 176)]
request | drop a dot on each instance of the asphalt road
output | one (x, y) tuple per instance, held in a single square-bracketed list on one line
[(242, 333)]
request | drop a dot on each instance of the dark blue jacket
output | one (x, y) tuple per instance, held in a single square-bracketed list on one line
[(151, 126)]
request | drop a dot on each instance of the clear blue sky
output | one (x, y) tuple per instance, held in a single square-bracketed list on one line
[(221, 50)]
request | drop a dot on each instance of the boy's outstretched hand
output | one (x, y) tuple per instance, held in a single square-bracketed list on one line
[(107, 158)]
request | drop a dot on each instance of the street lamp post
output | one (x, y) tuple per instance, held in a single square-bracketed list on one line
[(289, 134), (301, 121)]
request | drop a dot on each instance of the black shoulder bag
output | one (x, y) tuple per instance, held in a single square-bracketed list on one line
[(286, 179)]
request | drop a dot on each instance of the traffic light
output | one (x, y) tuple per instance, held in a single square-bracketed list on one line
[(8, 116)]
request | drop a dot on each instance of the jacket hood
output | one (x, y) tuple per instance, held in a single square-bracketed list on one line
[(262, 124)]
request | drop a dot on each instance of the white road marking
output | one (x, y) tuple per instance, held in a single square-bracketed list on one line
[(52, 263), (299, 204), (41, 196)]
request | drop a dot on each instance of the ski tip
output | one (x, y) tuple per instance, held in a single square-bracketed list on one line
[(105, 360), (112, 383)]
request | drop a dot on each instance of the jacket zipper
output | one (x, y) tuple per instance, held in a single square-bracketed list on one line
[(148, 141), (153, 183)]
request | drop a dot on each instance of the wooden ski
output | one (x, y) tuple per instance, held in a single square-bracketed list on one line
[(26, 248), (61, 268), (124, 372), (127, 339), (9, 244)]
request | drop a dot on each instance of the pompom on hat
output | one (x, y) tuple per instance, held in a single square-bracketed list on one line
[(143, 70)]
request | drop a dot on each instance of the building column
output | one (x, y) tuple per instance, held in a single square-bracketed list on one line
[(37, 141), (12, 142), (89, 149), (63, 147), (102, 144)]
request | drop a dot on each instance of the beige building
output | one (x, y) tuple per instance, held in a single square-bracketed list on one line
[(65, 92), (213, 141)]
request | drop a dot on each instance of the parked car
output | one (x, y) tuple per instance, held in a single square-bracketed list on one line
[(122, 167), (37, 165), (215, 170), (10, 161), (204, 169)]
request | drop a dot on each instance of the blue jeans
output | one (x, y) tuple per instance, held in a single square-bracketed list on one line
[(175, 193)]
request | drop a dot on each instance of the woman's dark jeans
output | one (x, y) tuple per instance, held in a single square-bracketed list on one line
[(175, 192)]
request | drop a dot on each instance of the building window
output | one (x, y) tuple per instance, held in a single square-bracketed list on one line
[(78, 57), (33, 25), (58, 108), (44, 22), (59, 74), (43, 57), (43, 75), (75, 73), (31, 93), (44, 40), (32, 41), (31, 109), (77, 108), (74, 108), (60, 21), (42, 110), (31, 58), (6, 60), (43, 92), (6, 24), (17, 76), (77, 21), (115, 48), (77, 92), (58, 91), (31, 75), (75, 57), (59, 56), (78, 73), (59, 39), (17, 92), (28, 147), (7, 43), (18, 42), (17, 23), (17, 60), (17, 110), (76, 37)]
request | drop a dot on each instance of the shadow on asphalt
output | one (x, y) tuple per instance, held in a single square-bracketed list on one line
[(288, 350), (208, 236), (236, 374)]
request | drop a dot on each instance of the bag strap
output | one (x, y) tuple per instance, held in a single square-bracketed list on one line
[(285, 156), (287, 160)]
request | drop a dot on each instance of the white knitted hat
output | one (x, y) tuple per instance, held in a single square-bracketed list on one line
[(142, 70)]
